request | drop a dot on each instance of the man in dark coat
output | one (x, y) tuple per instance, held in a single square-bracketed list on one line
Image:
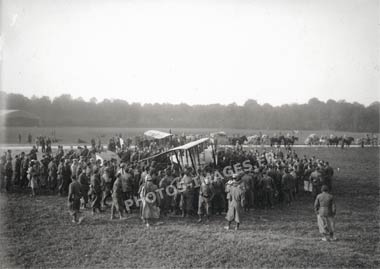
[(325, 209), (286, 185), (84, 181), (235, 197), (74, 200), (17, 171), (96, 191), (268, 189)]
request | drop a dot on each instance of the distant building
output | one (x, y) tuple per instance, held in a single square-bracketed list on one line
[(10, 117)]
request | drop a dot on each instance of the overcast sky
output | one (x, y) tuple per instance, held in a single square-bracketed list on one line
[(223, 51)]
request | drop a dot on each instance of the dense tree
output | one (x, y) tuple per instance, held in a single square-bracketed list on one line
[(315, 115)]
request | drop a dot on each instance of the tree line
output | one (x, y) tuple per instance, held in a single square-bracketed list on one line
[(314, 115)]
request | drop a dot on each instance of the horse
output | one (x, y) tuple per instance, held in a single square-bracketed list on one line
[(277, 140), (347, 141), (333, 140), (289, 141), (239, 140)]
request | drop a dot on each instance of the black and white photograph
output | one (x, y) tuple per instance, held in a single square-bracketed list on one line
[(189, 134)]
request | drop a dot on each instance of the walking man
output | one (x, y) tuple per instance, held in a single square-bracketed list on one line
[(325, 209)]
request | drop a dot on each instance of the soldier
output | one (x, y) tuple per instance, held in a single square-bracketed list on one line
[(117, 198), (24, 170), (8, 174), (33, 173), (246, 181), (74, 168), (235, 197), (96, 191), (268, 188), (60, 176), (325, 209), (329, 173), (166, 199), (17, 171), (66, 177), (84, 180), (219, 195), (52, 175), (74, 200), (187, 191), (316, 181), (106, 182), (150, 201), (206, 195), (286, 185), (33, 153)]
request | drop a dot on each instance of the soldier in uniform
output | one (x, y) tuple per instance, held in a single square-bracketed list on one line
[(117, 198), (74, 199), (150, 201), (24, 169), (96, 191), (60, 176), (206, 194), (316, 181), (166, 199), (52, 175), (106, 182), (219, 201), (66, 177), (235, 197), (84, 180), (187, 191), (286, 185), (325, 209), (17, 171), (268, 189), (8, 174), (329, 173)]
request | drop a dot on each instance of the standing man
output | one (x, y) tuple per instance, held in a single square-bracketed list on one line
[(325, 209), (268, 188), (52, 175), (316, 181), (117, 198), (187, 192), (24, 170), (235, 197), (206, 194), (84, 181), (247, 180), (8, 174), (166, 199), (96, 191), (74, 200), (329, 173), (17, 172), (286, 185)]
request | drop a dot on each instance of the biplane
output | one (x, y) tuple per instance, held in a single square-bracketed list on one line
[(196, 154)]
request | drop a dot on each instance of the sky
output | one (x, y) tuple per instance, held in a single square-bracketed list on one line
[(195, 52)]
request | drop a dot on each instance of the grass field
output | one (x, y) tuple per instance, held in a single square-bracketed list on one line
[(38, 232), (72, 134)]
